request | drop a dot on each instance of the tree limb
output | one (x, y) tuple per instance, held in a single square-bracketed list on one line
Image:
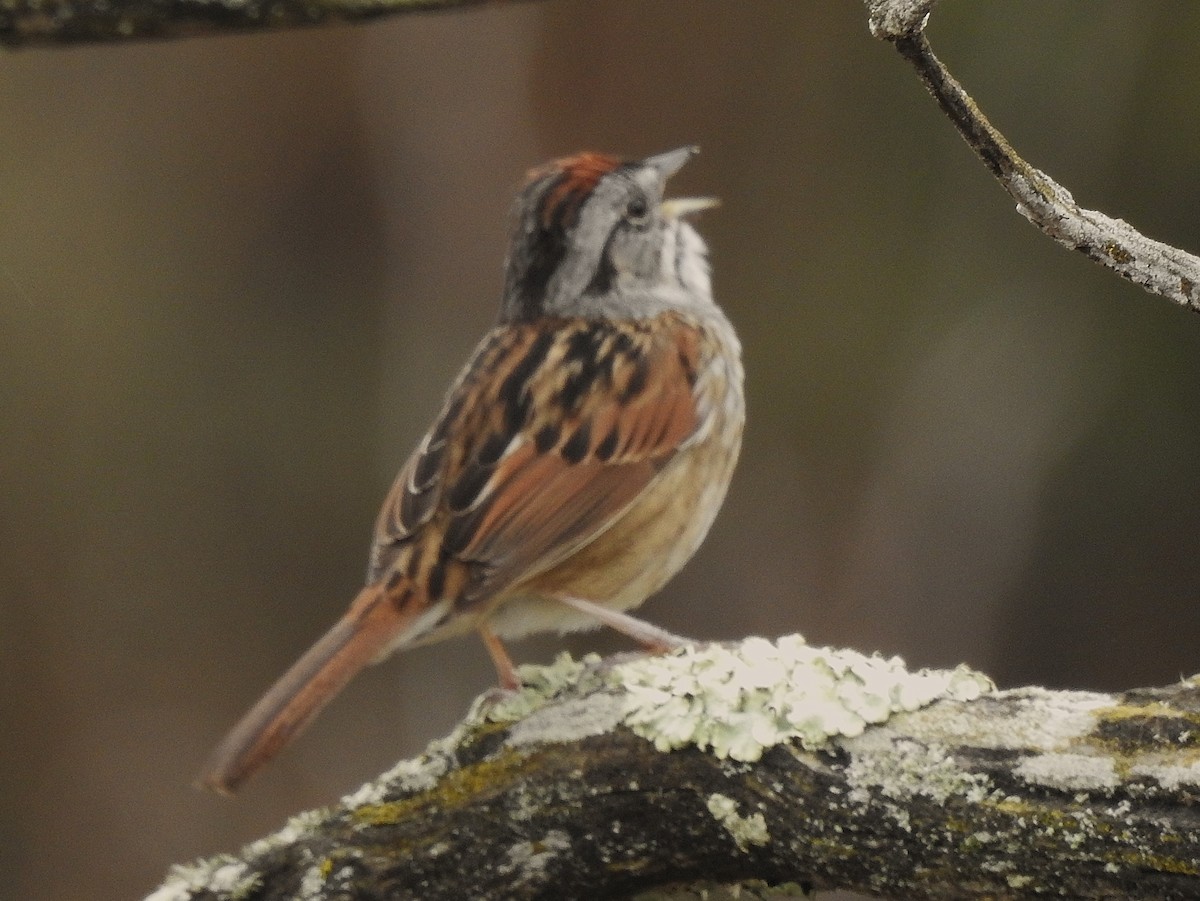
[(1157, 267), (34, 22), (775, 762)]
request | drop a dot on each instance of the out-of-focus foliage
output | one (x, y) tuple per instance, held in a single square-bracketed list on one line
[(236, 275)]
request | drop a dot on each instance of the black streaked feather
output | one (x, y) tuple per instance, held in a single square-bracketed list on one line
[(576, 447), (637, 380), (436, 581), (546, 438), (464, 492), (513, 393), (606, 448), (428, 466), (415, 508), (492, 448), (461, 530)]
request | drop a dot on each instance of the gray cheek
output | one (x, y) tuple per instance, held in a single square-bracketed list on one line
[(650, 254)]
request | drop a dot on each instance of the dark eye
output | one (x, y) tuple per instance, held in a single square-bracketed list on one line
[(638, 211)]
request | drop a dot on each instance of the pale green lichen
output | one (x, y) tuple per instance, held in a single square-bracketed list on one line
[(900, 769), (539, 686), (302, 824), (529, 859), (322, 880), (1170, 777), (739, 700), (312, 883), (568, 721), (408, 776), (228, 877), (751, 890), (745, 831), (1039, 718), (1069, 772), (222, 875)]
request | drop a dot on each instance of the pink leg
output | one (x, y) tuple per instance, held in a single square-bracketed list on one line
[(505, 670), (649, 636)]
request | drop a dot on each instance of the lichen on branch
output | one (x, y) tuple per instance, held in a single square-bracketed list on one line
[(858, 774)]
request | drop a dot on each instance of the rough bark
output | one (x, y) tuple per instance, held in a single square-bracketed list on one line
[(1013, 794)]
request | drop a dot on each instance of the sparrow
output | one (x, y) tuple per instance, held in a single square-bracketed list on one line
[(578, 460)]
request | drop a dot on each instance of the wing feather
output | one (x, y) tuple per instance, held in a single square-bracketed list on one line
[(551, 432)]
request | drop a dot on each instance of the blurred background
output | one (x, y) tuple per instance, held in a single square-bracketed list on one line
[(237, 274)]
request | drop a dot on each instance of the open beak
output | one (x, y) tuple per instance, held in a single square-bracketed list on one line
[(672, 161), (667, 165), (678, 207)]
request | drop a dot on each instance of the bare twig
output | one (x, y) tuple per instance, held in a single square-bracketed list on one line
[(571, 789), (1157, 267)]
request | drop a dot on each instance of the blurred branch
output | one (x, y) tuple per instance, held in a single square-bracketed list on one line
[(1157, 267), (34, 22), (552, 793)]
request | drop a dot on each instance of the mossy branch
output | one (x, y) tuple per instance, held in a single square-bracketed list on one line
[(781, 763), (1159, 268)]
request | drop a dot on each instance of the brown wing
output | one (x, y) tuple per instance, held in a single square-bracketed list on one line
[(553, 429)]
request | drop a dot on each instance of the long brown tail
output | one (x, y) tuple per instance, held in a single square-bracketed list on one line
[(369, 626)]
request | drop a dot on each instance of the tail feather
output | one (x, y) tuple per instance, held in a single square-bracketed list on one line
[(358, 638)]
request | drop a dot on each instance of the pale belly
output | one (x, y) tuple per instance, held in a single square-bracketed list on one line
[(642, 550)]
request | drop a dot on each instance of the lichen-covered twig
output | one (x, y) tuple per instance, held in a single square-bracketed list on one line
[(1157, 267), (769, 761)]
